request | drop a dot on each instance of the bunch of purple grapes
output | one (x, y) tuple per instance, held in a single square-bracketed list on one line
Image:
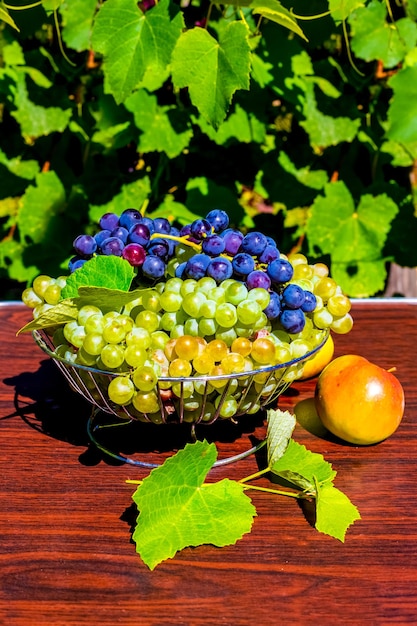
[(206, 247)]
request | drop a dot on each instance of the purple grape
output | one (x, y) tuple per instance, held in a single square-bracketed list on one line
[(129, 217), (180, 270), (270, 253), (108, 221), (232, 241), (85, 245), (149, 223), (199, 228), (101, 236), (243, 264), (213, 245), (273, 309), (134, 253), (254, 243), (196, 266), (75, 263), (257, 279), (112, 246), (120, 232), (162, 225), (153, 267), (220, 269), (293, 296), (280, 271), (292, 320), (218, 219), (159, 247), (139, 233), (310, 302)]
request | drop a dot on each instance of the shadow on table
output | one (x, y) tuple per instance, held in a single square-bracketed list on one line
[(44, 401)]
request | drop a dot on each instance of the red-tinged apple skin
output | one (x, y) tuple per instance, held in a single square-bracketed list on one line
[(359, 401)]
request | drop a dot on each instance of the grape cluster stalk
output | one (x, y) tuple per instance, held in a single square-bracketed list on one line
[(219, 305)]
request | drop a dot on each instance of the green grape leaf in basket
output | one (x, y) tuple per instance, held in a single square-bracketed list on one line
[(111, 272), (178, 509)]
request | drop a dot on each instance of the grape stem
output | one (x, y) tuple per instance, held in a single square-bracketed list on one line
[(183, 239), (293, 494)]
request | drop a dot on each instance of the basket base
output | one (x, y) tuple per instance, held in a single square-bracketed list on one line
[(94, 426)]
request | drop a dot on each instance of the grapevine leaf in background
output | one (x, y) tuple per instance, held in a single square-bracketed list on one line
[(373, 38), (6, 17), (137, 46), (280, 428), (177, 509), (42, 201), (341, 9), (402, 112), (101, 271), (356, 237), (274, 11), (163, 128), (132, 194), (212, 70), (334, 511), (77, 19)]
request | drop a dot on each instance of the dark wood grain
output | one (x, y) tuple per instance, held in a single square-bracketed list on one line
[(66, 555)]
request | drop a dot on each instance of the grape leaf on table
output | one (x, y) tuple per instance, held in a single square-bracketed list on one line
[(281, 425), (334, 511), (303, 468), (402, 112), (212, 70), (176, 510), (137, 46), (374, 38), (111, 272)]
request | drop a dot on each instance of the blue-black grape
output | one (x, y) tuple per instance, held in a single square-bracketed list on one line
[(280, 271), (140, 233), (243, 264), (220, 269), (85, 245), (292, 320), (128, 218), (108, 221), (213, 245), (112, 246), (310, 302), (257, 279), (153, 267), (254, 243), (232, 241), (293, 296), (196, 266), (199, 228), (162, 225), (269, 254), (273, 309), (121, 232), (218, 219)]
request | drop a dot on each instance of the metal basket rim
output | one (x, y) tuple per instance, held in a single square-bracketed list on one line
[(40, 341)]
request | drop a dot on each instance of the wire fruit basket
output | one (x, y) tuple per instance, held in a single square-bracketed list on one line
[(252, 391)]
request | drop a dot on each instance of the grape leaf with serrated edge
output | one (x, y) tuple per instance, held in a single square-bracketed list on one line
[(137, 46), (402, 112), (341, 9), (61, 313), (100, 271), (212, 70), (130, 195), (274, 11), (77, 20), (281, 425), (40, 203), (334, 511), (303, 468), (177, 509)]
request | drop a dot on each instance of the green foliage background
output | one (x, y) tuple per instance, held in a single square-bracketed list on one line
[(304, 128)]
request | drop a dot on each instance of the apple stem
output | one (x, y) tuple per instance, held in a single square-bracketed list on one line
[(392, 369)]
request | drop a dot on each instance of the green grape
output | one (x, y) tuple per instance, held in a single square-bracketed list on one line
[(114, 331), (203, 363), (173, 285), (302, 271), (146, 402), (193, 403), (217, 349), (40, 309), (342, 325), (205, 284), (261, 296), (233, 363), (208, 412), (192, 302), (139, 336), (191, 327), (94, 343), (41, 284), (188, 286), (149, 320), (135, 355), (202, 387), (87, 311), (248, 311), (151, 301), (236, 292), (298, 348), (282, 353), (172, 267), (208, 309), (184, 389), (158, 339), (320, 269), (58, 337), (94, 323), (325, 288), (112, 355), (52, 294), (217, 370), (207, 327), (177, 331), (121, 390), (171, 301), (228, 335), (218, 294), (338, 305), (323, 318), (226, 315), (227, 408), (30, 298), (145, 378), (84, 358)]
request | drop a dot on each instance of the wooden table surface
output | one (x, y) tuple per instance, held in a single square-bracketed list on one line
[(66, 514)]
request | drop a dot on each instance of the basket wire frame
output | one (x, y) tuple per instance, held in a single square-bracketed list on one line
[(92, 383)]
